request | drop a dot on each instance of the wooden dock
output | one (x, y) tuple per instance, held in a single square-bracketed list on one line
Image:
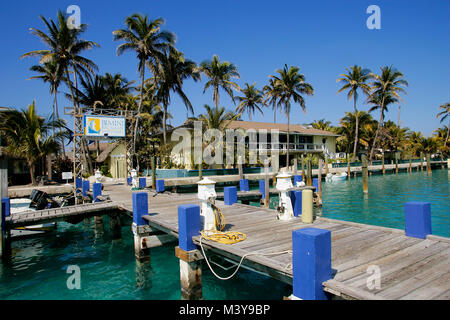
[(59, 214), (411, 268)]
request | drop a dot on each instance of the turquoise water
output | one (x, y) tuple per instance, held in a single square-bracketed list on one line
[(384, 206), (37, 268)]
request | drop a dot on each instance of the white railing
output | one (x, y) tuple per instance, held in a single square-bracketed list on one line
[(292, 146)]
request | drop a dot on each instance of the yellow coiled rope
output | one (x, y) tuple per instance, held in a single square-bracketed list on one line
[(220, 236)]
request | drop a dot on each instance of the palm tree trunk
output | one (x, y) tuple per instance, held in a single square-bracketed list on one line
[(216, 97), (164, 124), (376, 137), (141, 98), (355, 147), (288, 133), (75, 112), (57, 117), (448, 132), (32, 167)]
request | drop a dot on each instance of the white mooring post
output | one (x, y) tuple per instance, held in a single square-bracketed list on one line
[(187, 252), (284, 186), (207, 194)]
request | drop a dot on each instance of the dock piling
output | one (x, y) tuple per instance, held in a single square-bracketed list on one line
[(307, 206), (160, 186), (296, 199), (428, 163), (86, 188), (153, 163), (311, 263), (243, 185), (230, 195), (140, 227), (418, 219), (365, 174), (142, 183), (266, 184), (190, 257)]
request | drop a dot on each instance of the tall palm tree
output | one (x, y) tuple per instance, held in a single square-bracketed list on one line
[(270, 93), (64, 48), (175, 69), (220, 75), (386, 89), (444, 114), (355, 78), (252, 100), (144, 37), (289, 86), (50, 73), (29, 136)]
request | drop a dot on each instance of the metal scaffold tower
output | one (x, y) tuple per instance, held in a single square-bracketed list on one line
[(80, 140)]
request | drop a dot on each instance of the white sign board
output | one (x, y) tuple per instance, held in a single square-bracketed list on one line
[(99, 126), (67, 175)]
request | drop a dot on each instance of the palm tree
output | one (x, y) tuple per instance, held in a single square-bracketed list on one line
[(355, 78), (215, 118), (117, 88), (252, 100), (220, 75), (322, 125), (29, 136), (289, 86), (64, 48), (270, 93), (50, 73), (149, 42), (347, 128), (386, 89), (175, 69), (444, 114)]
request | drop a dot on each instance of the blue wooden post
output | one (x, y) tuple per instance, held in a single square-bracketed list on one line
[(188, 226), (417, 219), (140, 208), (142, 183), (86, 187), (297, 179), (311, 262), (160, 186), (262, 188), (316, 184), (296, 199), (78, 183), (96, 191), (6, 206), (230, 195), (243, 185), (129, 180)]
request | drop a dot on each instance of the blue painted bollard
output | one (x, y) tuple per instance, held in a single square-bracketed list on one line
[(140, 208), (6, 206), (296, 199), (86, 187), (188, 226), (78, 183), (142, 183), (417, 219), (311, 262), (230, 195), (160, 186), (96, 191), (262, 188), (129, 181), (297, 179), (243, 185), (316, 184)]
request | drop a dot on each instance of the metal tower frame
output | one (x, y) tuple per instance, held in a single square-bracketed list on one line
[(79, 137)]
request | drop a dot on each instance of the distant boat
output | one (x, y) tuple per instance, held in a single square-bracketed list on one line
[(341, 176)]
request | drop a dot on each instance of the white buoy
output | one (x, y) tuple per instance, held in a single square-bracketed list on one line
[(207, 194)]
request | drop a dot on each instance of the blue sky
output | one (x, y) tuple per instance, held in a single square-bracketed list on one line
[(321, 37)]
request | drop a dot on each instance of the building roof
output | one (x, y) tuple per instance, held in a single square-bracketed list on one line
[(282, 127)]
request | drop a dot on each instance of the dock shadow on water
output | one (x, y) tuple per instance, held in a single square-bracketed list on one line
[(38, 269)]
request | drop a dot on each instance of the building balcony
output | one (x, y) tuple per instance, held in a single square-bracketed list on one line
[(303, 147)]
